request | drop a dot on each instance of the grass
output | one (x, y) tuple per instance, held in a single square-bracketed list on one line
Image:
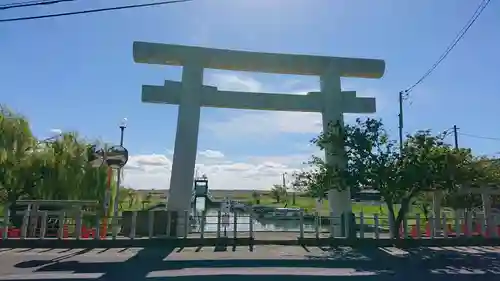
[(309, 205)]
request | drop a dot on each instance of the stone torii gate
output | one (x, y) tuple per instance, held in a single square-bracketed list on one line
[(190, 94)]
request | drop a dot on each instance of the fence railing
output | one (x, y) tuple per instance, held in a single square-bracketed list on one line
[(154, 224)]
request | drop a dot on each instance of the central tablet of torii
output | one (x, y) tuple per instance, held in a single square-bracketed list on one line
[(190, 94)]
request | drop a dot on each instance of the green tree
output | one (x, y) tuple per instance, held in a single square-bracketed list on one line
[(132, 197), (423, 163), (479, 171), (424, 203), (17, 177), (58, 169), (256, 197), (278, 192)]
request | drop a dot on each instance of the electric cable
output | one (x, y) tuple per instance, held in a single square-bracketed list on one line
[(31, 4), (479, 137), (452, 45), (94, 11), (21, 3)]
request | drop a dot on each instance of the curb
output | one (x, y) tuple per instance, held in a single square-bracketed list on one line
[(196, 242)]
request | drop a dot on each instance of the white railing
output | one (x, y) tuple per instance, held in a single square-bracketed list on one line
[(154, 224)]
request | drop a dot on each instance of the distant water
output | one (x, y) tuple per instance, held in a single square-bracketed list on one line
[(243, 221)]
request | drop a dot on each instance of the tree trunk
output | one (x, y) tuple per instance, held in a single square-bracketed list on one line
[(393, 226), (401, 216)]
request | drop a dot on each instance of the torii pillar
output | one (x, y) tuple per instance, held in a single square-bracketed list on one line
[(190, 94)]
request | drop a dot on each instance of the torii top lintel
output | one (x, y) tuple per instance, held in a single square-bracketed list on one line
[(169, 54)]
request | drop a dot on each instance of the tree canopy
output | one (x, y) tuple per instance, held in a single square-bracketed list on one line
[(423, 163), (55, 169)]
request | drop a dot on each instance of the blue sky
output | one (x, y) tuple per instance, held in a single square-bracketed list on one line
[(77, 73)]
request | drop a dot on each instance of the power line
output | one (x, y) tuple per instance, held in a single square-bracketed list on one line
[(404, 95), (31, 3), (21, 3), (94, 11), (457, 39), (479, 137)]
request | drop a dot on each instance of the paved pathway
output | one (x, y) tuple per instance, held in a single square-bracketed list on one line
[(275, 263)]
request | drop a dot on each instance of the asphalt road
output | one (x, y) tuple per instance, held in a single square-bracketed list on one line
[(264, 262)]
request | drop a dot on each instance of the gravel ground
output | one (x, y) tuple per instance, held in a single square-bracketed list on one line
[(264, 262)]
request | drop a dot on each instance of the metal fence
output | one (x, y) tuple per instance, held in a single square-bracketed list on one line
[(60, 225)]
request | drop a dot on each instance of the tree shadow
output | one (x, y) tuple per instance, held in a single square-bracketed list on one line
[(40, 263), (457, 260), (347, 263)]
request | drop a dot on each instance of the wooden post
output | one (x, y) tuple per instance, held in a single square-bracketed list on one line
[(219, 215), (361, 225), (235, 227), (98, 227), (61, 221), (186, 223), (458, 219), (417, 226), (43, 225), (133, 225), (6, 220), (25, 223), (251, 226), (301, 224), (202, 224), (169, 223), (78, 224)]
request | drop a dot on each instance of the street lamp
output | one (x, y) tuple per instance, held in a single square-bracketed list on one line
[(123, 125)]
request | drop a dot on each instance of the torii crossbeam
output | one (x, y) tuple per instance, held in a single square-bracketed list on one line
[(190, 94)]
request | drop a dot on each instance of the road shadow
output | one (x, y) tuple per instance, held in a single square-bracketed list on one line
[(41, 263), (367, 264)]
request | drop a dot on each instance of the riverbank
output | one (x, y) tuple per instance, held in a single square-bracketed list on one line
[(309, 204)]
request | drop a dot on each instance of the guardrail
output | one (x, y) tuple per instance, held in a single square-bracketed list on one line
[(59, 225)]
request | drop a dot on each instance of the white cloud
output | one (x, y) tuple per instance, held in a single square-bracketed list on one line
[(56, 131), (154, 171), (253, 172), (211, 154), (233, 82), (266, 124), (256, 124)]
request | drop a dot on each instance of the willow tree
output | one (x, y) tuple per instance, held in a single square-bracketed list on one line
[(57, 169), (16, 156), (67, 173)]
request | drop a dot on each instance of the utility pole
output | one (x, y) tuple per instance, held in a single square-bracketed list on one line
[(400, 115), (455, 134)]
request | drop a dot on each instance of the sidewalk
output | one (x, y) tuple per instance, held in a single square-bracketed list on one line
[(270, 262)]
